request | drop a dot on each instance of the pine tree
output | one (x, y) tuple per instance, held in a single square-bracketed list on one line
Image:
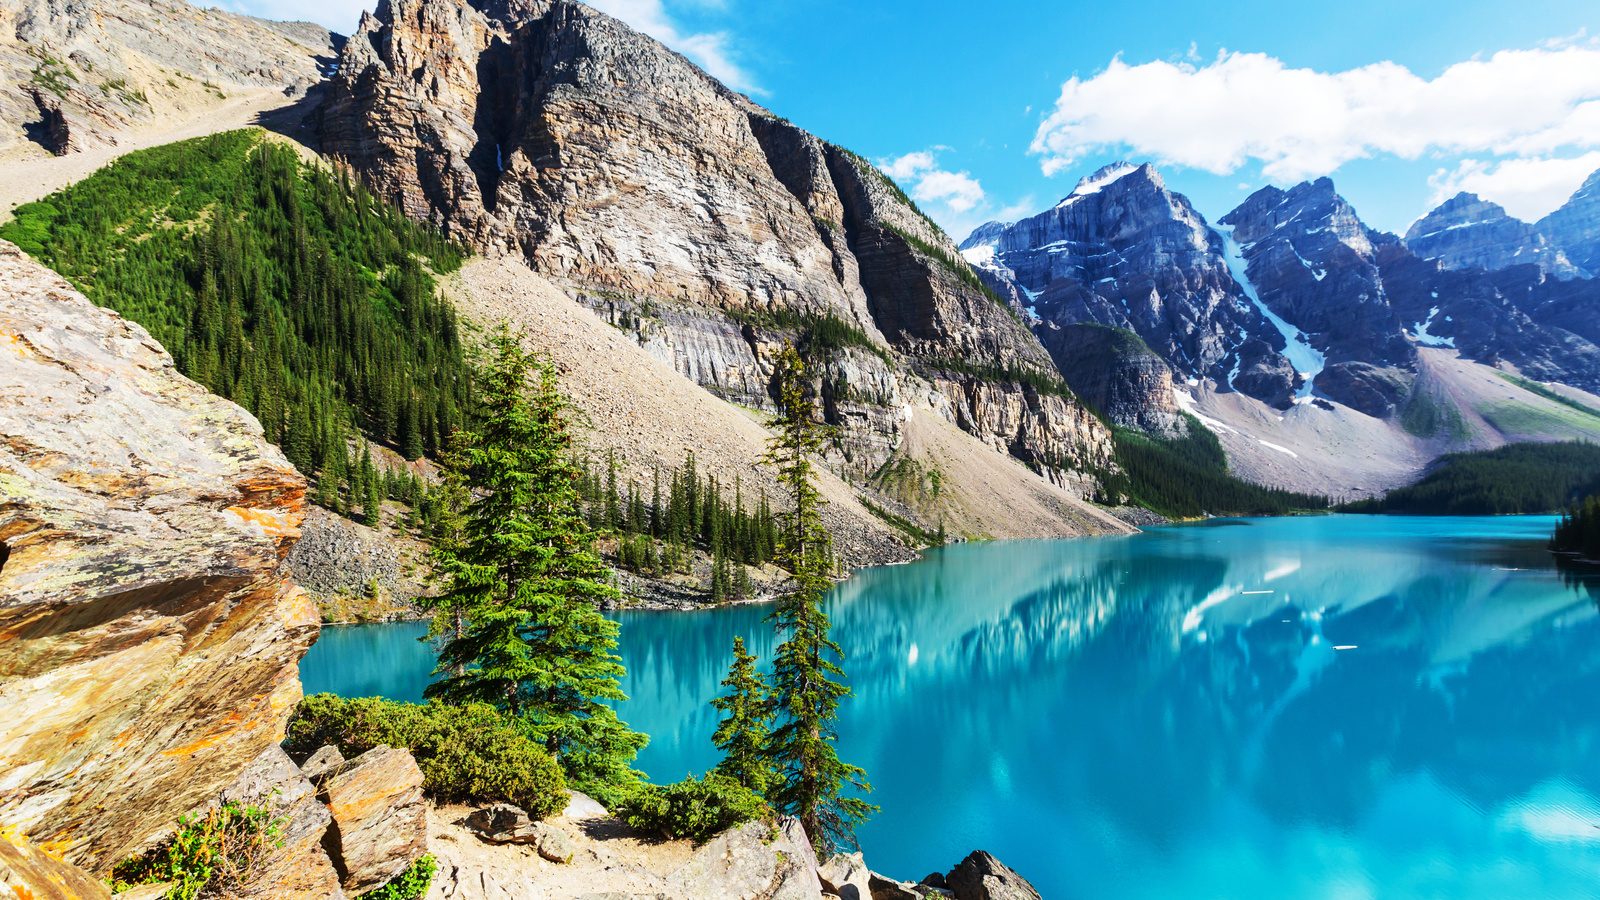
[(742, 736), (812, 778), (526, 581)]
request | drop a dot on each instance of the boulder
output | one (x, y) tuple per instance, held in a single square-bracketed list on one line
[(555, 845), (325, 760), (982, 877), (380, 824), (144, 611), (297, 868), (885, 888), (740, 864), (582, 806), (503, 823), (846, 875), (28, 873)]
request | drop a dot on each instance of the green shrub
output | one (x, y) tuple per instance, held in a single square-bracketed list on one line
[(411, 884), (207, 856), (470, 752), (693, 809)]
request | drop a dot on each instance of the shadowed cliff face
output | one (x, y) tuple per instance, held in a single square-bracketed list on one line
[(669, 204), (148, 641)]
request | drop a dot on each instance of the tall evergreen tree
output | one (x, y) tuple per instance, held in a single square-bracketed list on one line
[(526, 581), (742, 736), (812, 778)]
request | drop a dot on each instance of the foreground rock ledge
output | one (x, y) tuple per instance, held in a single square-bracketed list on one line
[(148, 643)]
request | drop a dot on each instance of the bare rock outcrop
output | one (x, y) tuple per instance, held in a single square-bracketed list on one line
[(1575, 227), (748, 862), (1116, 372), (77, 74), (703, 225), (148, 640), (982, 877), (295, 866), (380, 822), (1467, 232)]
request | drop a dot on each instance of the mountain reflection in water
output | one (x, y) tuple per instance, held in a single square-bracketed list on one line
[(1318, 707)]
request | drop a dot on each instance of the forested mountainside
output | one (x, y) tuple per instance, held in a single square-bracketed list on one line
[(277, 284), (1520, 479)]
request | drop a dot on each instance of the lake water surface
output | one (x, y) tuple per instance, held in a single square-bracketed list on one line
[(1326, 707)]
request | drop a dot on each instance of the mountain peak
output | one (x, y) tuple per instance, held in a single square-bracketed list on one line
[(1467, 231), (1102, 178)]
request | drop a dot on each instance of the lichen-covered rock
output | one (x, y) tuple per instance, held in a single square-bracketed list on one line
[(982, 877), (503, 823), (28, 873), (295, 867), (148, 642), (846, 875), (320, 763), (380, 822), (740, 864)]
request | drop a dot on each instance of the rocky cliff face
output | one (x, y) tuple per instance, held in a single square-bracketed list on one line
[(76, 75), (1575, 227), (1465, 232), (1313, 262), (1119, 374), (1123, 251), (678, 210), (148, 639)]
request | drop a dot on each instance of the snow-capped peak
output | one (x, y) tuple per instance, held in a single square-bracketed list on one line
[(1093, 184)]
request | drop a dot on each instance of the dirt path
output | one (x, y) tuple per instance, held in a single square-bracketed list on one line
[(32, 173)]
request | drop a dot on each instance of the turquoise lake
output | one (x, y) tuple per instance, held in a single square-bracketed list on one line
[(1321, 707)]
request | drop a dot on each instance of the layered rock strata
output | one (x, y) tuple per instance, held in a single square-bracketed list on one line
[(148, 639), (677, 209), (1116, 372), (1466, 232)]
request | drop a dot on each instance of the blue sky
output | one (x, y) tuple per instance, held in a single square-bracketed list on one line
[(995, 109)]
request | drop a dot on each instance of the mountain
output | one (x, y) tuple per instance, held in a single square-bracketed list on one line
[(1575, 227), (81, 75), (1326, 355), (696, 220), (1124, 251), (1465, 232)]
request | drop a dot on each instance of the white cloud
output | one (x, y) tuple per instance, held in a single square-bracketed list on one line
[(955, 200), (1528, 188), (928, 183), (709, 50), (1301, 123)]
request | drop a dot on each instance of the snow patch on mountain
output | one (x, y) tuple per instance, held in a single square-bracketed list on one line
[(1306, 359), (1432, 340), (1094, 184)]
